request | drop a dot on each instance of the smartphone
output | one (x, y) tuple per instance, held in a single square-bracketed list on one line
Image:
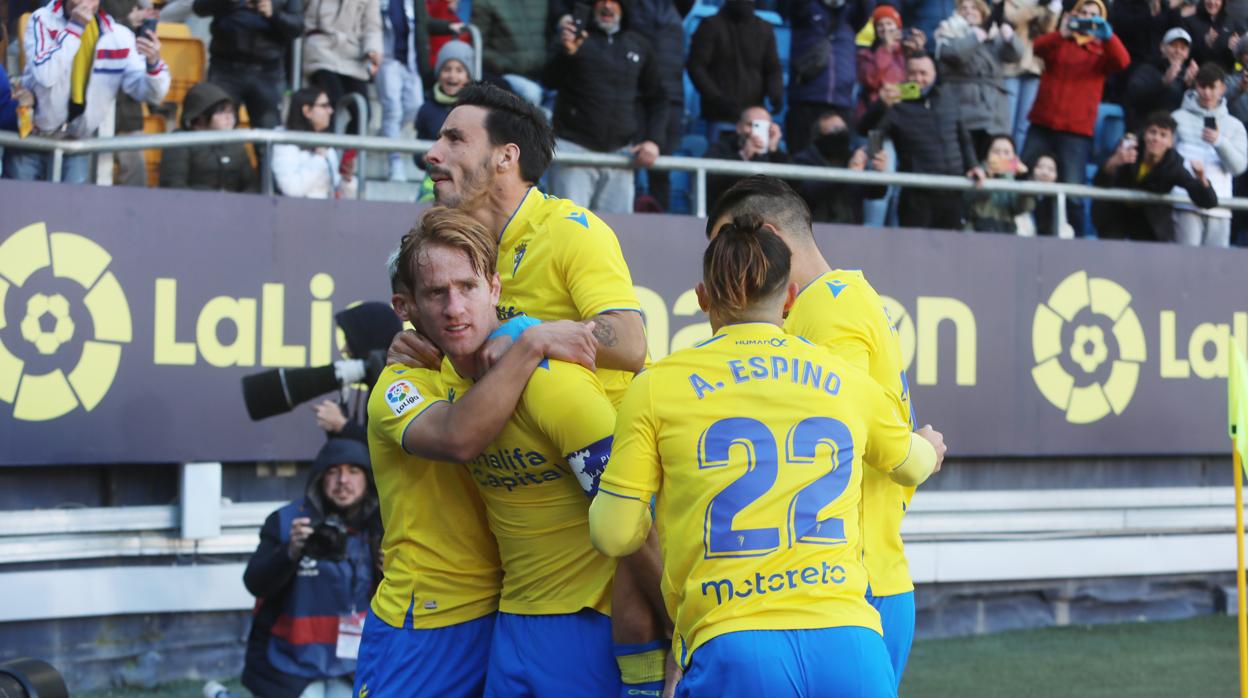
[(1083, 25), (1211, 123), (875, 142), (909, 91), (581, 12), (761, 129), (148, 27)]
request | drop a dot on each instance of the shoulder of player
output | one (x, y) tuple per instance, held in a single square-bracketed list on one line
[(552, 375), (423, 380), (564, 218), (826, 357)]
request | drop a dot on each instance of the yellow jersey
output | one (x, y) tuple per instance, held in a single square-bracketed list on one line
[(842, 312), (441, 562), (754, 441), (558, 261), (535, 502)]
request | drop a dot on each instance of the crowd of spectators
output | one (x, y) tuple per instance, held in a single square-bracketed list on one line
[(985, 89)]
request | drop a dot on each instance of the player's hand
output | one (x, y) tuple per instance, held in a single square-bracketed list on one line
[(564, 340), (411, 348), (492, 351), (329, 416), (937, 440), (645, 153), (300, 529)]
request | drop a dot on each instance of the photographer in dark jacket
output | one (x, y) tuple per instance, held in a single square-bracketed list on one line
[(368, 328), (249, 40), (610, 97), (313, 574), (1157, 169)]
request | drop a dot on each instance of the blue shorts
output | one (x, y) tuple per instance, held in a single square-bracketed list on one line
[(552, 656), (897, 619), (410, 662), (849, 662)]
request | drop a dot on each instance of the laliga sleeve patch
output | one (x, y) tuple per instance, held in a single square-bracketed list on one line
[(402, 396), (589, 463)]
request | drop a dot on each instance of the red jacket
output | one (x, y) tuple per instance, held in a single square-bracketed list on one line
[(1072, 81)]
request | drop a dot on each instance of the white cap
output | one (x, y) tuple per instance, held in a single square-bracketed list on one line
[(1175, 34)]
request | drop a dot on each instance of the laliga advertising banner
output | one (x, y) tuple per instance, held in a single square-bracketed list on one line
[(128, 316)]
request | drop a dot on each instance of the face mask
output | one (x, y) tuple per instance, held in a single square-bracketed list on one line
[(834, 146)]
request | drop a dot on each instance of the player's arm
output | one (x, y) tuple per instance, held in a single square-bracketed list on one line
[(908, 457), (619, 518), (461, 430), (621, 338), (571, 409)]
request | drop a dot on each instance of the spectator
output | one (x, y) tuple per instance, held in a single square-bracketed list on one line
[(1158, 170), (515, 36), (1029, 18), (400, 86), (662, 21), (755, 139), (319, 558), (1213, 36), (831, 202), (453, 72), (884, 62), (1141, 24), (342, 51), (1159, 83), (312, 173), (996, 211), (931, 139), (249, 42), (131, 165), (1045, 169), (1064, 116), (734, 64), (1207, 133), (12, 96), (78, 59), (926, 15), (972, 63), (224, 167), (823, 68), (445, 26), (610, 92)]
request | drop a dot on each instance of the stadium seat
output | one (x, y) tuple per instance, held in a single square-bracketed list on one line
[(1110, 126), (680, 200), (152, 123), (185, 57)]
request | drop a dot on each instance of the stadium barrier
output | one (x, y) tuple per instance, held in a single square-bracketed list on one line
[(700, 167)]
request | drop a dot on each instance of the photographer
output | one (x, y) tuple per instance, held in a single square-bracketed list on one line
[(367, 327), (313, 574)]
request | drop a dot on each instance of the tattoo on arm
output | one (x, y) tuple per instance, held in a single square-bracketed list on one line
[(604, 332)]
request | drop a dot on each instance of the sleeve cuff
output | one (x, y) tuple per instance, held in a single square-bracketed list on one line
[(156, 69)]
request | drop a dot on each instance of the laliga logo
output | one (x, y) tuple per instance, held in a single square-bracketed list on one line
[(70, 307), (1088, 346)]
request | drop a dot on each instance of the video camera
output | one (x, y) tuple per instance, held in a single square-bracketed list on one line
[(279, 390)]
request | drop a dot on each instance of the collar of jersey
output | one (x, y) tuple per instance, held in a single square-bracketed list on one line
[(738, 329), (529, 196)]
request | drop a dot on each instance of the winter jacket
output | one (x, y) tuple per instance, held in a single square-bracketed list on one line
[(309, 174), (1147, 91), (879, 66), (339, 34), (208, 167), (50, 44), (1148, 222), (240, 34), (1073, 78), (728, 147), (8, 105), (974, 71), (995, 211), (833, 202), (610, 91), (1198, 25), (734, 64), (1223, 160), (1030, 18), (822, 67), (928, 133), (662, 22), (1140, 30), (924, 14), (294, 631), (515, 35)]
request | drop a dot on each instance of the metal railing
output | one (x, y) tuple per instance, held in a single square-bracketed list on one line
[(342, 115), (700, 167)]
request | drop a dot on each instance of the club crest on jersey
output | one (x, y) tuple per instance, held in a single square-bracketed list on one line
[(401, 396), (520, 250)]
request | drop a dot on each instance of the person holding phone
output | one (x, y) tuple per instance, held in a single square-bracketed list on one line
[(312, 173), (1077, 59), (756, 139), (971, 55), (884, 62), (1207, 132)]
